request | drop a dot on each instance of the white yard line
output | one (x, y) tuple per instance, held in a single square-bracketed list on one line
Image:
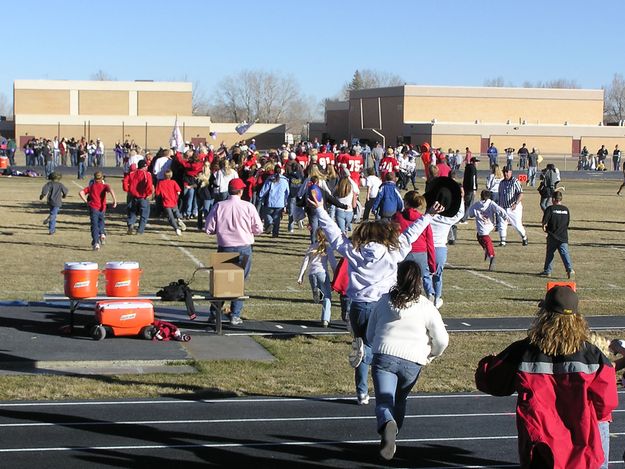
[(481, 275), (185, 251)]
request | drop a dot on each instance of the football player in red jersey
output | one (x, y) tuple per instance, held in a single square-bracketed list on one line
[(388, 164), (325, 158)]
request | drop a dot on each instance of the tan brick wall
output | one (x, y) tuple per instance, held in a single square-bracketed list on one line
[(163, 103), (534, 111), (456, 142), (103, 102), (41, 102), (546, 145)]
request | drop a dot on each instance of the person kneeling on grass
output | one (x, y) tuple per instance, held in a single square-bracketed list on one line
[(566, 387), (406, 332), (484, 213)]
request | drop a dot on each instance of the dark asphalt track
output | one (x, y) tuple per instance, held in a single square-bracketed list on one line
[(440, 431)]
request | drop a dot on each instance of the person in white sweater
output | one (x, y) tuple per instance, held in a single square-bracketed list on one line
[(406, 332), (372, 255)]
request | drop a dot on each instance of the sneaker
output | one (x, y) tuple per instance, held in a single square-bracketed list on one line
[(301, 224), (96, 247), (570, 274), (291, 230), (432, 298), (181, 225), (387, 443), (451, 242), (236, 321), (316, 295), (46, 221), (178, 232), (438, 303), (130, 231), (325, 324), (102, 239), (357, 353), (363, 399), (502, 244), (544, 274), (211, 318), (491, 264), (463, 222), (525, 241)]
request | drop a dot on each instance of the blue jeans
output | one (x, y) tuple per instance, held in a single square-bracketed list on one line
[(97, 225), (142, 208), (203, 213), (421, 258), (52, 219), (344, 220), (393, 379), (545, 202), (49, 168), (437, 277), (563, 249), (359, 318), (531, 175), (604, 430), (273, 216), (313, 221), (190, 205), (81, 169), (291, 208), (245, 259), (173, 215), (321, 281)]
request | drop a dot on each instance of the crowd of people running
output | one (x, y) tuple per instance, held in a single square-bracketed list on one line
[(390, 272)]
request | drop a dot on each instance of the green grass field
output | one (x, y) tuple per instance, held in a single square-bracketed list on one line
[(33, 260)]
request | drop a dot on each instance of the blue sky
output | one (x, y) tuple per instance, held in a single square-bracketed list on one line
[(320, 42)]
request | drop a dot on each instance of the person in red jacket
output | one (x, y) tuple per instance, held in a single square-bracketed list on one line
[(422, 252), (426, 157), (192, 167), (95, 197), (140, 188), (169, 191), (566, 387)]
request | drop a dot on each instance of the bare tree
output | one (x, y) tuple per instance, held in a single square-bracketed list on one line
[(497, 82), (6, 107), (256, 95), (199, 101), (367, 78), (101, 75), (614, 99)]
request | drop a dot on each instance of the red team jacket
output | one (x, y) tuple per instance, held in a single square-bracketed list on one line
[(560, 401), (425, 242)]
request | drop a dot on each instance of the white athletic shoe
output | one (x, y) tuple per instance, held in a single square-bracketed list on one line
[(178, 232), (438, 303), (357, 353)]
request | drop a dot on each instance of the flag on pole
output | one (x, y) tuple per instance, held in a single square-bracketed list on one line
[(243, 127), (176, 140)]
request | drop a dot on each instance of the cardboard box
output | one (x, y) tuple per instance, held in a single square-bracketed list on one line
[(227, 276)]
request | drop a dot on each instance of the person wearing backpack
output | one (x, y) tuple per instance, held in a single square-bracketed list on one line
[(389, 201)]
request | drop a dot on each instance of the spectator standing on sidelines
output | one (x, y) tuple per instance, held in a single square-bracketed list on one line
[(555, 223), (510, 196), (616, 158), (532, 167), (235, 222), (492, 155), (95, 197), (523, 153)]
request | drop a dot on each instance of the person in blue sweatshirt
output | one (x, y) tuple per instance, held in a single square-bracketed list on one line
[(389, 200)]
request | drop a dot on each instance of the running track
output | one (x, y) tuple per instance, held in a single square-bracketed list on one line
[(440, 431)]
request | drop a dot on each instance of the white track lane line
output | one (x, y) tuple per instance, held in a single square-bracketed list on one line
[(251, 420)]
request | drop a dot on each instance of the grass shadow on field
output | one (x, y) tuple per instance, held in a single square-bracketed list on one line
[(285, 299), (73, 247), (608, 230)]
